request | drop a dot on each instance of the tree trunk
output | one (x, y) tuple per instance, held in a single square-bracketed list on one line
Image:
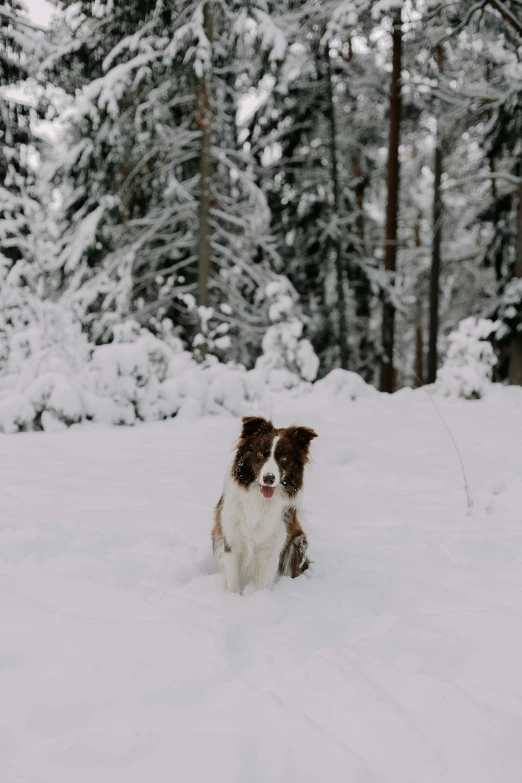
[(361, 282), (492, 164), (204, 120), (515, 362), (359, 200), (419, 347), (337, 243), (392, 207), (435, 250), (419, 336), (357, 275)]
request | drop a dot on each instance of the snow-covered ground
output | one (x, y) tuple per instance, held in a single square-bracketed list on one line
[(399, 659)]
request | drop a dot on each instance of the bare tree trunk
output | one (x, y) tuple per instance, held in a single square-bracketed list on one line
[(515, 362), (359, 200), (435, 250), (361, 283), (357, 275), (337, 244), (392, 208), (419, 346), (491, 157), (204, 120), (419, 336), (435, 256)]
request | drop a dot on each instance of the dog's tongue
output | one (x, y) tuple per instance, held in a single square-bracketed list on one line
[(267, 492)]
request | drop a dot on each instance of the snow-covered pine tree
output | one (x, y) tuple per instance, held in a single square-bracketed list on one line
[(148, 86), (19, 43), (228, 46), (124, 143), (486, 174), (502, 146), (315, 134), (202, 148)]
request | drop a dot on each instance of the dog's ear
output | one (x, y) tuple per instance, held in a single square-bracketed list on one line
[(303, 435), (252, 425)]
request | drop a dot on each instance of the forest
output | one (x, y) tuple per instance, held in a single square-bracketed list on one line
[(267, 190), (260, 389)]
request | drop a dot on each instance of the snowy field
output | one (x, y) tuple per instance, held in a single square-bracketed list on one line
[(398, 660)]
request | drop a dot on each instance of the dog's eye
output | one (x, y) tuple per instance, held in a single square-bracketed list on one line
[(259, 453), (283, 459)]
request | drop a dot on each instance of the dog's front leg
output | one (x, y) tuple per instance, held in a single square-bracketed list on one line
[(232, 571), (266, 567)]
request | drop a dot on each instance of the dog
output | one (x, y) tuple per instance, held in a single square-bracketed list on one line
[(257, 535)]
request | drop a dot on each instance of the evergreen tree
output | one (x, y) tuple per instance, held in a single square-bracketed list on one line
[(203, 150), (159, 196), (317, 139), (19, 44)]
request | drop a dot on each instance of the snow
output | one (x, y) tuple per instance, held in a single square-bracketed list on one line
[(273, 40), (50, 375), (397, 659), (344, 385), (385, 7), (39, 11)]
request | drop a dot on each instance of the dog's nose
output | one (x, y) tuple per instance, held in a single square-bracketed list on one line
[(269, 478)]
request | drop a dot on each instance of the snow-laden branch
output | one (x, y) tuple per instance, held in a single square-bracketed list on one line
[(6, 13), (463, 24), (506, 14), (485, 176)]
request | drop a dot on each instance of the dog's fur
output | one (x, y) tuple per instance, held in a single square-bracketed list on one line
[(257, 534)]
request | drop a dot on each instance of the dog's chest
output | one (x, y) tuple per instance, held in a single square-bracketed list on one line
[(251, 520)]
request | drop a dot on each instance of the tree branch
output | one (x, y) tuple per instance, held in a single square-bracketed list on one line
[(467, 19), (507, 15), (482, 177)]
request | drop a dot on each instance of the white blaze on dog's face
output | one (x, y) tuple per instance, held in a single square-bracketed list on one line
[(270, 475), (271, 459)]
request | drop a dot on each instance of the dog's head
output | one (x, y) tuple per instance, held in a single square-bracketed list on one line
[(273, 459)]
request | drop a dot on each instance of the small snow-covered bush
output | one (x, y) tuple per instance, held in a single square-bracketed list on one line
[(54, 377), (159, 379), (343, 385), (288, 358), (468, 366), (212, 388), (43, 351), (130, 371)]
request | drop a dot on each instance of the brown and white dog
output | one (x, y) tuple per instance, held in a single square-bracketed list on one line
[(256, 533)]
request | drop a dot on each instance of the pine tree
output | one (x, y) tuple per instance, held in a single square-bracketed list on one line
[(203, 148), (499, 136), (18, 47), (315, 133), (159, 197)]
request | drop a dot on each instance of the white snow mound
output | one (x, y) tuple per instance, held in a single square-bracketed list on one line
[(397, 659)]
